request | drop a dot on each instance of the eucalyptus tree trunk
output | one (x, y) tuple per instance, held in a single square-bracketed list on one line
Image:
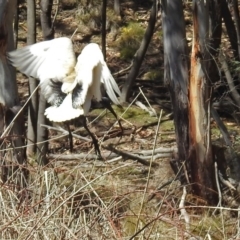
[(140, 54), (42, 133), (237, 22), (230, 27), (12, 130), (46, 21), (114, 25), (200, 150), (33, 103), (190, 97), (8, 85), (117, 8), (104, 18), (176, 71)]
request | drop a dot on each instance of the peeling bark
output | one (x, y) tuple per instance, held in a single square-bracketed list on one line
[(200, 153)]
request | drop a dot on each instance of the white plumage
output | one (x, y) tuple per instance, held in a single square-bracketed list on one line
[(68, 84)]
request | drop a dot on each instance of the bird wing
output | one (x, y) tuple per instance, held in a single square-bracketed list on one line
[(53, 59), (88, 75), (110, 84), (91, 71)]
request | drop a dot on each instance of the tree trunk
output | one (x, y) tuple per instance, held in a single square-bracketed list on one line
[(215, 7), (176, 71), (114, 25), (42, 134), (104, 14), (237, 23), (8, 85), (116, 7), (200, 150), (139, 56), (16, 21), (33, 103), (12, 140), (46, 21), (230, 28)]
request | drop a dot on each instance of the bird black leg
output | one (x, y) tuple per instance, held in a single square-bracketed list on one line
[(70, 137), (94, 140), (106, 103)]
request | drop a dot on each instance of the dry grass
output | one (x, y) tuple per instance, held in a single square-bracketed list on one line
[(108, 200), (93, 201)]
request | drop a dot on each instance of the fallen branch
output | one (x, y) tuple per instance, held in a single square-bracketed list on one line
[(142, 155), (126, 155), (81, 156), (158, 150)]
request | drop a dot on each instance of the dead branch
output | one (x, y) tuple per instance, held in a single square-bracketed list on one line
[(142, 155), (226, 182), (183, 211), (81, 156), (158, 150), (126, 156)]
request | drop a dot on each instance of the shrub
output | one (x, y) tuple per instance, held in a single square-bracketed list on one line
[(130, 39)]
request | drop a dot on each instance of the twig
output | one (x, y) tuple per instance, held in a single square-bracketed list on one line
[(153, 110), (40, 223), (149, 171), (219, 205), (218, 188), (65, 132), (142, 106), (123, 70), (226, 182), (56, 13), (74, 32), (162, 186), (183, 210), (10, 124)]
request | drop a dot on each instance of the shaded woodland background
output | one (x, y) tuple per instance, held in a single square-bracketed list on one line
[(177, 64)]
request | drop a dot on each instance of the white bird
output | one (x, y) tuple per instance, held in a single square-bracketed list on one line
[(68, 84)]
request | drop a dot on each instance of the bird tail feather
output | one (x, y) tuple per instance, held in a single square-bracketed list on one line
[(64, 112)]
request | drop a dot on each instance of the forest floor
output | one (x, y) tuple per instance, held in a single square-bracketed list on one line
[(86, 198)]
